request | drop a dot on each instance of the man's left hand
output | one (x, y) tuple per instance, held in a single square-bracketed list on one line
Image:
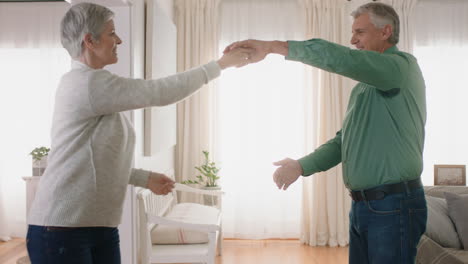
[(288, 172)]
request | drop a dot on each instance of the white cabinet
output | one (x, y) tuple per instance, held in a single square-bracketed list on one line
[(31, 187)]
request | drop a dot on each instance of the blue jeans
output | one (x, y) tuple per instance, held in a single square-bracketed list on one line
[(387, 230), (82, 245)]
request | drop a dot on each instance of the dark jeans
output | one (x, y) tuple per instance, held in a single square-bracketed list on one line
[(82, 245), (387, 230)]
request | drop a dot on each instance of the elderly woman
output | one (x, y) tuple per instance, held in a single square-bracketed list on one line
[(78, 204)]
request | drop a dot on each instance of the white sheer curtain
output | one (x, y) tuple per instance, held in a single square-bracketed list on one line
[(197, 44), (261, 117), (31, 63), (441, 46), (325, 203)]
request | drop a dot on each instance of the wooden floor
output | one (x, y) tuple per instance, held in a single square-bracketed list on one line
[(234, 252), (279, 252), (12, 250)]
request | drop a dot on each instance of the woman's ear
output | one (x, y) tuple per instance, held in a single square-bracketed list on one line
[(88, 41)]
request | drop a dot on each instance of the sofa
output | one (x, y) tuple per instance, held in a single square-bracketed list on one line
[(447, 226)]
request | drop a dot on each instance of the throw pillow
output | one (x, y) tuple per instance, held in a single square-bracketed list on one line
[(458, 211), (439, 225)]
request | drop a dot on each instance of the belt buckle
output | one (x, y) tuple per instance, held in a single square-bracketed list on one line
[(380, 195)]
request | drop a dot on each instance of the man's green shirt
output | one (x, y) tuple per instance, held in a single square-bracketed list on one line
[(382, 137)]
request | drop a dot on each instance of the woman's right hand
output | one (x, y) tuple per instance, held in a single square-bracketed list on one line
[(160, 183), (236, 57)]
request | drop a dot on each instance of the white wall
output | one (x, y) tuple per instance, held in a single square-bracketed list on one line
[(168, 7), (162, 161)]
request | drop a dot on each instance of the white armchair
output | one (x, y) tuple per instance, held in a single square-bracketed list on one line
[(162, 219)]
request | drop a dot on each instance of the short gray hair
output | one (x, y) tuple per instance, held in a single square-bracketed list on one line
[(381, 15), (80, 20)]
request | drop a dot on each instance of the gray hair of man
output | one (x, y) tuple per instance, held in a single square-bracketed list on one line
[(80, 20), (381, 15)]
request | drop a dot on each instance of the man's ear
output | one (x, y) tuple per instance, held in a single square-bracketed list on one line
[(88, 41), (387, 32)]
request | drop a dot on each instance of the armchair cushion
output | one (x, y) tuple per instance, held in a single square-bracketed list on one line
[(458, 211), (439, 225), (185, 212)]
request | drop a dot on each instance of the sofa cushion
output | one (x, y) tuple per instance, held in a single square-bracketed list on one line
[(462, 255), (185, 212), (439, 225), (458, 211), (431, 252)]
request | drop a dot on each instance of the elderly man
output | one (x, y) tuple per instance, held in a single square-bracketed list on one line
[(381, 142)]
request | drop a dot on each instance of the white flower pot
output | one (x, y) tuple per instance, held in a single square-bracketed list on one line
[(39, 166), (211, 200)]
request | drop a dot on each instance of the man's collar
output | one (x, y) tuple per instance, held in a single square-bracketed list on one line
[(392, 49)]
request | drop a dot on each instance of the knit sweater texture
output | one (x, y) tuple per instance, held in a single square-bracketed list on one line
[(91, 157)]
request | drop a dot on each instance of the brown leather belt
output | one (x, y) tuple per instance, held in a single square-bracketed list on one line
[(59, 228)]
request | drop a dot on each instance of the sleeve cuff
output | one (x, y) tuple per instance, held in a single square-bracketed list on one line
[(139, 178), (292, 49), (212, 70), (308, 166)]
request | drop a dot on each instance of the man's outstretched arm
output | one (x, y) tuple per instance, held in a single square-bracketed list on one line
[(259, 49), (385, 71)]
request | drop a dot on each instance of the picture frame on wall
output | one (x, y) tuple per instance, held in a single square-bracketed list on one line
[(450, 175)]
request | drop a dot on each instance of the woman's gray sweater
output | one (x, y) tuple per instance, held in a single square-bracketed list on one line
[(90, 162)]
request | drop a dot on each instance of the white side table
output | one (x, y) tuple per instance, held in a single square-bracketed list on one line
[(31, 187)]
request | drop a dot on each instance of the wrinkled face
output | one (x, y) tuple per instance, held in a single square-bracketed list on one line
[(105, 49), (366, 36)]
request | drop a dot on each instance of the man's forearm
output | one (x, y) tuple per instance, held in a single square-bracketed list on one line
[(326, 156), (279, 47)]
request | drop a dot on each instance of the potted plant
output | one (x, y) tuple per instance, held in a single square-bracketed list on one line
[(39, 160), (207, 178)]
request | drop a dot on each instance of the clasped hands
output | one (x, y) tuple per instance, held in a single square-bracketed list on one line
[(241, 53)]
